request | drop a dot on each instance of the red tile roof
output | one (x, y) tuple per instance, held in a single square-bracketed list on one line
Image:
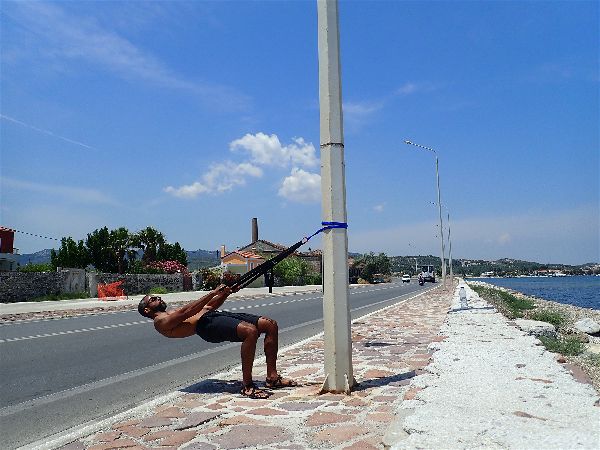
[(247, 255)]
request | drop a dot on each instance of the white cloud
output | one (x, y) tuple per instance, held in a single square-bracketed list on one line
[(356, 113), (268, 151), (504, 238), (361, 109), (219, 178), (77, 194), (407, 88), (301, 186), (262, 150), (66, 36), (379, 208)]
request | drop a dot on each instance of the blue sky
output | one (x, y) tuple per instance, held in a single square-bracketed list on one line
[(194, 117)]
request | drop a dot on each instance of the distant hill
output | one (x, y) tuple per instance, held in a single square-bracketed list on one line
[(198, 259), (475, 267), (41, 257)]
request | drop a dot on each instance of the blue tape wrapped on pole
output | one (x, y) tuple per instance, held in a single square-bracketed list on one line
[(263, 268)]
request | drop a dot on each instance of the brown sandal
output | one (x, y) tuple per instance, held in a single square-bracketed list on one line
[(251, 391), (280, 382)]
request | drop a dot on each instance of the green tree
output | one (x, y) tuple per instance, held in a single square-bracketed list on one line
[(149, 240), (295, 271), (101, 253), (371, 264), (70, 254), (121, 245), (44, 267), (172, 252)]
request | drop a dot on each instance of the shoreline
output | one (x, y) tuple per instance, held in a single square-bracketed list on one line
[(592, 303), (589, 360)]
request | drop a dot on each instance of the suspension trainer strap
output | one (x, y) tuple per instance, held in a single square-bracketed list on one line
[(263, 268), (328, 226)]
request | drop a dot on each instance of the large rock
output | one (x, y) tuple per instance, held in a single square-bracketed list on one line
[(536, 327), (587, 325)]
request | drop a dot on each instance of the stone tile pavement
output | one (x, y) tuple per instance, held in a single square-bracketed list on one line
[(390, 347)]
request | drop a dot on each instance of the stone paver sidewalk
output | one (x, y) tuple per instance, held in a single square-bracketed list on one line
[(390, 347)]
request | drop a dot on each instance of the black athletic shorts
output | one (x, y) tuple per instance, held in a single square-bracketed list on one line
[(219, 326)]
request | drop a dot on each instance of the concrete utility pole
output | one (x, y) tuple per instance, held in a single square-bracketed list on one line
[(437, 174), (336, 311), (450, 251), (439, 202)]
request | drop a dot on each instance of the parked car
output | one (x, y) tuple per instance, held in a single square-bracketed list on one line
[(378, 279), (406, 278)]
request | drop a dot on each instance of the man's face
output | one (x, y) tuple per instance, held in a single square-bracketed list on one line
[(156, 304)]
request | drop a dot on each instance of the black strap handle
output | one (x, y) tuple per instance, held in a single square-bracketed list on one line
[(263, 268)]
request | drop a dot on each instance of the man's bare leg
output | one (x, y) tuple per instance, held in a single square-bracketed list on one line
[(249, 333), (271, 330)]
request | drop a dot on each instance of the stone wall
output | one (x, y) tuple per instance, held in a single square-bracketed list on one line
[(72, 280), (134, 284), (23, 286)]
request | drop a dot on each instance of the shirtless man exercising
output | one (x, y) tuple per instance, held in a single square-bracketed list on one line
[(201, 317)]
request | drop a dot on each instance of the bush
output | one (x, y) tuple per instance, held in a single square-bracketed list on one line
[(230, 278), (210, 279), (54, 297), (294, 271), (168, 266), (593, 359), (546, 315), (513, 306), (140, 267), (37, 268), (313, 279), (569, 346), (157, 267), (158, 290)]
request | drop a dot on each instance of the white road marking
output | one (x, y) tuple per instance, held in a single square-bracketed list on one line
[(80, 330), (140, 322)]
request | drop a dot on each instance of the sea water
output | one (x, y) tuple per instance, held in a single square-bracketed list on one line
[(583, 291)]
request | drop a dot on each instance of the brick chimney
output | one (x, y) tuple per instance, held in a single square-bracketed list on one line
[(254, 230)]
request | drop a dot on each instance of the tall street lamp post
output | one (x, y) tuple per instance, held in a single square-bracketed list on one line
[(439, 202), (450, 250)]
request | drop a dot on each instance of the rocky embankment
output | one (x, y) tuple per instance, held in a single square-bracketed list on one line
[(579, 324)]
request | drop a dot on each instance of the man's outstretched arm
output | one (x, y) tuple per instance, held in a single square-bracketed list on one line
[(218, 300), (185, 312)]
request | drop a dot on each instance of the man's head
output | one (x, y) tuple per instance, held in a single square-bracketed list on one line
[(150, 305)]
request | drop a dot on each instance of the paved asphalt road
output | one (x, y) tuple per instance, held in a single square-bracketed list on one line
[(61, 373)]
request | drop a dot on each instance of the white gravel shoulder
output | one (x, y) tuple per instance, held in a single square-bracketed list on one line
[(492, 386)]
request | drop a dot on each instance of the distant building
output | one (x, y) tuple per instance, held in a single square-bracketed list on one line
[(268, 250), (8, 254), (240, 261)]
